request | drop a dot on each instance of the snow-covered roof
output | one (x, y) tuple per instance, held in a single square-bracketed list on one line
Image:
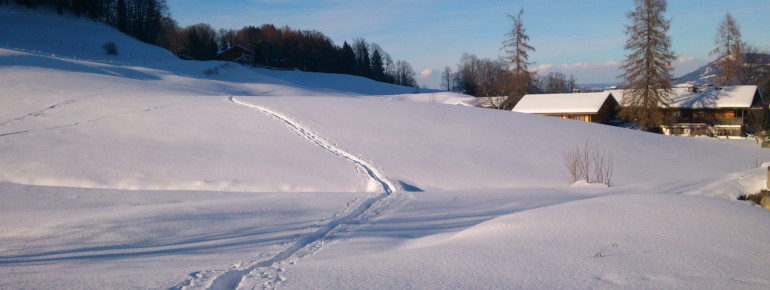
[(562, 103), (707, 97), (232, 47)]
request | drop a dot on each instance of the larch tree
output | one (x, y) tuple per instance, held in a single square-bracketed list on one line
[(729, 51), (648, 64), (516, 47)]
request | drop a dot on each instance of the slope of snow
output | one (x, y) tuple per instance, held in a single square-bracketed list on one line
[(616, 241), (449, 148), (58, 237), (121, 172)]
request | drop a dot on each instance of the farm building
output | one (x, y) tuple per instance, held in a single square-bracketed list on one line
[(714, 111), (237, 54), (589, 107)]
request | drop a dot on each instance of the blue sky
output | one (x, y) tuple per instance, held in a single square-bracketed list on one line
[(582, 38)]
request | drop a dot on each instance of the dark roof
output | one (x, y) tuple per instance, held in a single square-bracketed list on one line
[(237, 46)]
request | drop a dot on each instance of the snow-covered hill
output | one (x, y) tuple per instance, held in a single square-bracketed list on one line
[(705, 74), (144, 171)]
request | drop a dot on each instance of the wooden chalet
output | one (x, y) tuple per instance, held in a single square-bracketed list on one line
[(588, 107), (237, 54), (713, 111)]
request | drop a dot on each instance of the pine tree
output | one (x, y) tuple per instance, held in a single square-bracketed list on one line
[(517, 48), (347, 59), (122, 16), (729, 51), (377, 65), (647, 67)]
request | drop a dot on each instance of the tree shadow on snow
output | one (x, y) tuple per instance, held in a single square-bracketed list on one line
[(46, 62)]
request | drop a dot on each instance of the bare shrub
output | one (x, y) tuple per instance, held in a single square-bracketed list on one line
[(590, 164), (572, 162), (215, 70), (110, 48), (433, 99)]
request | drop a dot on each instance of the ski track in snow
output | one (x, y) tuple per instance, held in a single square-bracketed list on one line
[(42, 112), (38, 113), (240, 276), (50, 128)]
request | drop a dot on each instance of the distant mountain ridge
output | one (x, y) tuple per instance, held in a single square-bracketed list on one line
[(705, 74)]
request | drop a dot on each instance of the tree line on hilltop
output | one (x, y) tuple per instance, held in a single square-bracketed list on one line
[(150, 21)]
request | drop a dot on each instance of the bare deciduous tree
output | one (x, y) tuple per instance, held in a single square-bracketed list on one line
[(757, 124), (447, 79), (729, 51), (556, 83), (363, 63), (485, 78), (647, 67), (755, 68), (405, 74)]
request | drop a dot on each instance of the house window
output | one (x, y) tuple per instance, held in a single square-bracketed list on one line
[(725, 114)]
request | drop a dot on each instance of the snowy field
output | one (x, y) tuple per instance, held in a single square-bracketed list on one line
[(144, 171)]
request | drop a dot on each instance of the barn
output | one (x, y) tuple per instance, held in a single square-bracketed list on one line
[(588, 107)]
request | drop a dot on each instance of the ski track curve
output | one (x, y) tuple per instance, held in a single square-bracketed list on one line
[(387, 185), (234, 277)]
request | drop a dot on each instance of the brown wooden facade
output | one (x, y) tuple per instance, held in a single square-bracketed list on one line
[(711, 121)]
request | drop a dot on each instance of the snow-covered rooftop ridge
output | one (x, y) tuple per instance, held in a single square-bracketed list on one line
[(707, 97), (562, 103), (232, 47)]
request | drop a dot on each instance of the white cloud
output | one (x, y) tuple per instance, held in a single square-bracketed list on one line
[(683, 59), (425, 73), (574, 66), (585, 72), (545, 66)]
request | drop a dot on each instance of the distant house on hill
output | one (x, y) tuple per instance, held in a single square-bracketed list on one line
[(237, 54), (589, 107), (715, 111)]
